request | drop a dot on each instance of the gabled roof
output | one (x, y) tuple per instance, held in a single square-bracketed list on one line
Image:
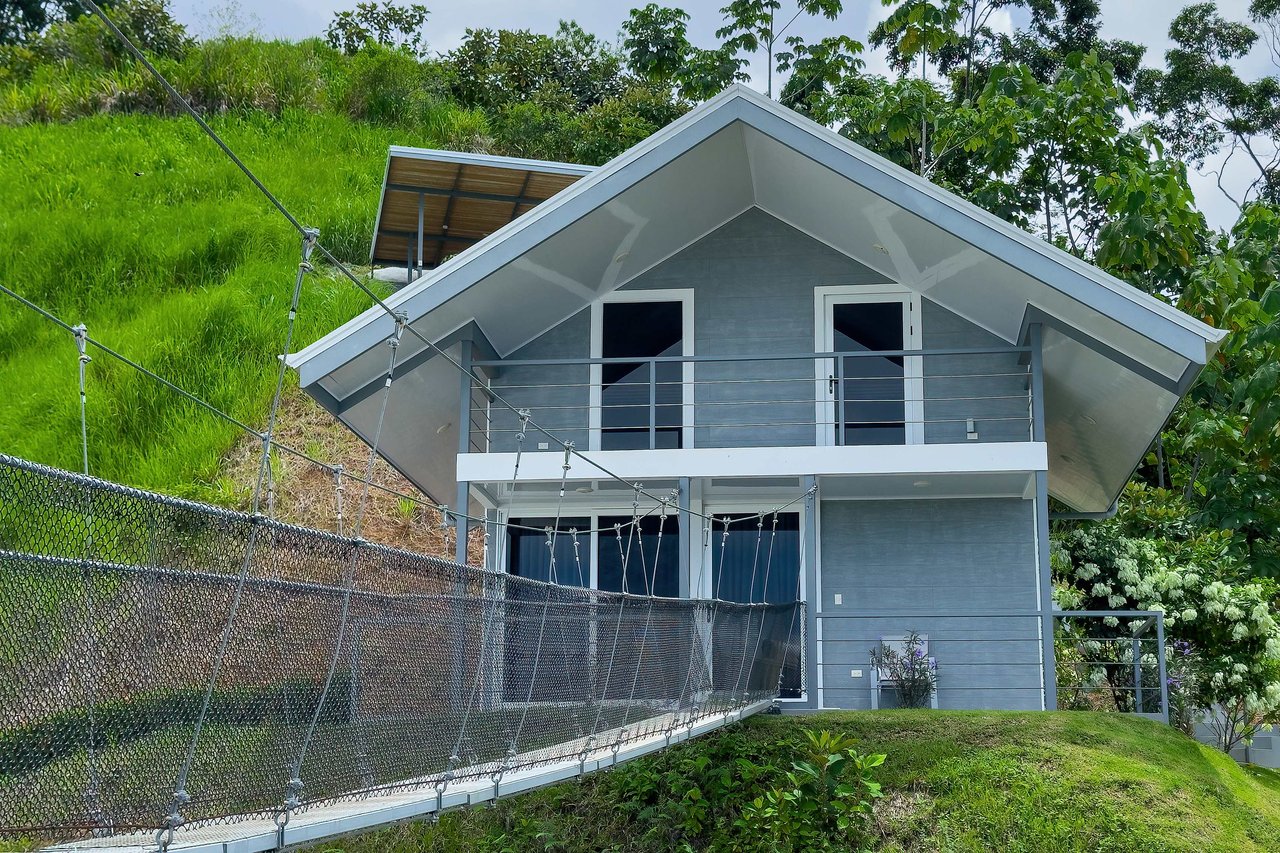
[(1116, 359), (437, 203)]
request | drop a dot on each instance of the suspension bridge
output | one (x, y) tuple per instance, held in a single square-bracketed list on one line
[(181, 676)]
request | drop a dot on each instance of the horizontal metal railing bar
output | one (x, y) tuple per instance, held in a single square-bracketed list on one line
[(807, 401), (1011, 614), (805, 380), (851, 424), (808, 356)]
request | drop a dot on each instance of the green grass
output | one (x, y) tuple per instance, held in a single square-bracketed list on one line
[(954, 781), (138, 227)]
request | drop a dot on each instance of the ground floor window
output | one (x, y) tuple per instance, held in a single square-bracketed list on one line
[(757, 559)]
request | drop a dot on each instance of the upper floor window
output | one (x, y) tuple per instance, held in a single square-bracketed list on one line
[(642, 402)]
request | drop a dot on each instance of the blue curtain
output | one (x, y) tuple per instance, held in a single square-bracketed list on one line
[(529, 556), (649, 567), (733, 560)]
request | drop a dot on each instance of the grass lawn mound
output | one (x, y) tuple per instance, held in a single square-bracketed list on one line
[(953, 780)]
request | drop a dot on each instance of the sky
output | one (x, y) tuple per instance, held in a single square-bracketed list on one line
[(1143, 21)]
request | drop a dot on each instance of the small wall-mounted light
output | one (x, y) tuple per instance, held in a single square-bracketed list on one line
[(970, 430)]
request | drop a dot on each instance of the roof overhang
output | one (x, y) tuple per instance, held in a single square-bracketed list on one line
[(436, 204), (1116, 359)]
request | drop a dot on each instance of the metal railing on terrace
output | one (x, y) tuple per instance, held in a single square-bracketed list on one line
[(893, 397), (1103, 660)]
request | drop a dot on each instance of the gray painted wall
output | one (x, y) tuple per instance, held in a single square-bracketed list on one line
[(923, 564), (753, 280)]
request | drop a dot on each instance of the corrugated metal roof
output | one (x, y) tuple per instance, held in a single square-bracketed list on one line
[(437, 203)]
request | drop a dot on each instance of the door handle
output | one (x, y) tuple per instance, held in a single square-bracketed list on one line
[(831, 384)]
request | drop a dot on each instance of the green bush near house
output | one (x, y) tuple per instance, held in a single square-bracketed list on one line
[(952, 781)]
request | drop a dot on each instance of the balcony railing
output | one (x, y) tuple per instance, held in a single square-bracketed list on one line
[(1103, 660), (832, 398)]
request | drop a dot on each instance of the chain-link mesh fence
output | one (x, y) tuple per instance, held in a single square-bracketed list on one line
[(167, 663)]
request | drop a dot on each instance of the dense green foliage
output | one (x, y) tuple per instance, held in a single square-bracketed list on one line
[(124, 218), (132, 226), (951, 781)]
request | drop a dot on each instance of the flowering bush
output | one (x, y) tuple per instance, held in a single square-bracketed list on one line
[(1231, 656), (911, 670)]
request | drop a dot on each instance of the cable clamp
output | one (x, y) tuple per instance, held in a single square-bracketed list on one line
[(310, 236), (82, 340)]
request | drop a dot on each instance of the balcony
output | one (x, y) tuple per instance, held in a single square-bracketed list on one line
[(834, 399)]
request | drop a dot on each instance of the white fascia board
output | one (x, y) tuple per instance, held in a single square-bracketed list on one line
[(1077, 279), (382, 200), (464, 158), (972, 457), (517, 237), (982, 229)]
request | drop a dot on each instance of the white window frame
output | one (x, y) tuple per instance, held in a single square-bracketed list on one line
[(741, 506), (683, 295), (824, 299)]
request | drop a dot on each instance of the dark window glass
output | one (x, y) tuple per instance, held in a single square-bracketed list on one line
[(754, 564), (641, 330), (650, 563), (543, 616), (529, 556), (870, 402)]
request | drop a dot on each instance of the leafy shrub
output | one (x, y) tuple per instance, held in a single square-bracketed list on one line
[(824, 802), (389, 25), (915, 675), (85, 43), (245, 73)]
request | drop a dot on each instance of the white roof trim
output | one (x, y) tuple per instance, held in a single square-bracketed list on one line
[(468, 159), (1083, 282)]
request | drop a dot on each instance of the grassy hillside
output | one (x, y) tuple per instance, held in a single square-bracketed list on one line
[(953, 781), (138, 227)]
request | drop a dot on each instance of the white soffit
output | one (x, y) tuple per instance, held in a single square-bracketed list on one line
[(741, 150)]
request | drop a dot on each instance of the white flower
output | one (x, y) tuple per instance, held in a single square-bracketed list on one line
[(1188, 614)]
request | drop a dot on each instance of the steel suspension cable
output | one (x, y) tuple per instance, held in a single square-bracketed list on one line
[(296, 785), (542, 624), (164, 836), (93, 783), (644, 633), (333, 259), (764, 599)]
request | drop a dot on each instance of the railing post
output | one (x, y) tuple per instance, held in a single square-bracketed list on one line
[(809, 565), (841, 439), (653, 404), (1137, 674), (1164, 680), (1048, 652), (1034, 337)]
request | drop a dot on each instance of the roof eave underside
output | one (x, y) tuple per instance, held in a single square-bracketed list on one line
[(436, 204), (1182, 336)]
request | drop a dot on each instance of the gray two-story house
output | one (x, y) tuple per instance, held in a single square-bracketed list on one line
[(851, 385)]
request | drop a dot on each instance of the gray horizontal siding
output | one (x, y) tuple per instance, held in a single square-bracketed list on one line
[(942, 568), (991, 389), (557, 395), (753, 280)]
